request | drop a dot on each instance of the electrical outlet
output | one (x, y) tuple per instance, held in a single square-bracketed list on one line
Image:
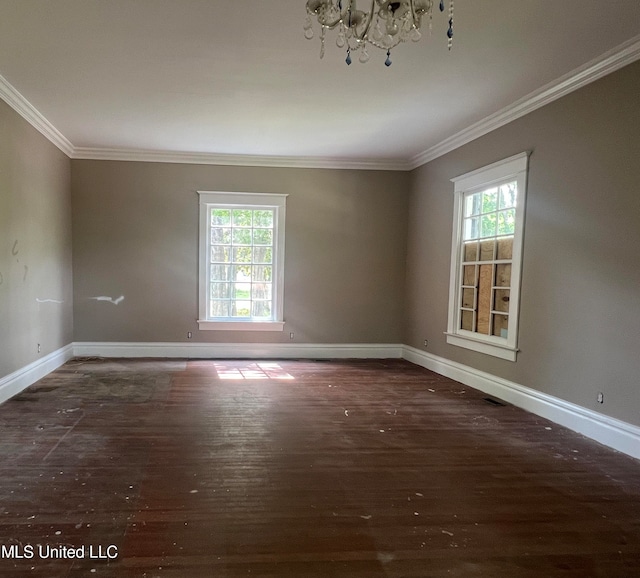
[(39, 348), (189, 335), (426, 343), (291, 335), (600, 397)]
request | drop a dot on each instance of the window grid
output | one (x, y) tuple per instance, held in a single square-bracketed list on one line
[(488, 226), (241, 249)]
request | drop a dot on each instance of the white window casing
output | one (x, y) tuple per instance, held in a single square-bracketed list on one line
[(482, 228), (241, 261)]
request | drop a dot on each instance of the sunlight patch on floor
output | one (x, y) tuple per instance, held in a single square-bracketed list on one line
[(261, 370)]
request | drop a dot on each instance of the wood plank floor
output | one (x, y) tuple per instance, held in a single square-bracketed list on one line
[(359, 469)]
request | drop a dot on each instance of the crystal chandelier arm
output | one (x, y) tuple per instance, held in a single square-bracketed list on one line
[(318, 8), (367, 26), (331, 24), (414, 16)]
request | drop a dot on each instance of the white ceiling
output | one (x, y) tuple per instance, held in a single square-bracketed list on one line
[(239, 78)]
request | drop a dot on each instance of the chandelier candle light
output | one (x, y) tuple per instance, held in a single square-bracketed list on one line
[(384, 26)]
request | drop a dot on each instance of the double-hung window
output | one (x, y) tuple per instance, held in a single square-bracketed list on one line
[(241, 261), (486, 258)]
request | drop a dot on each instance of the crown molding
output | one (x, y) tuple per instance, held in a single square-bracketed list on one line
[(609, 62), (27, 111), (116, 154)]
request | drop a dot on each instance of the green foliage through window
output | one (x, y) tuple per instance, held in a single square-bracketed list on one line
[(490, 213), (241, 263)]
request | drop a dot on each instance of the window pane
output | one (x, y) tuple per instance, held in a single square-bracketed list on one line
[(483, 306), (500, 325), (240, 308), (242, 254), (505, 248), (472, 204), (220, 273), (220, 217), (220, 254), (263, 218), (220, 290), (261, 291), (507, 222), (262, 273), (503, 275), (262, 255), (242, 273), (219, 309), (471, 251), (501, 300), (263, 236), (242, 236), (489, 200), (220, 236), (242, 217), (242, 290), (508, 195), (488, 225), (466, 321), (469, 276), (471, 228), (262, 309), (468, 298), (486, 250)]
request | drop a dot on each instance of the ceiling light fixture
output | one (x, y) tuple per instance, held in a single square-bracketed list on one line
[(384, 26)]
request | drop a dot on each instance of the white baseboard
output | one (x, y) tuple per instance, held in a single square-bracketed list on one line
[(19, 380), (611, 432), (240, 350)]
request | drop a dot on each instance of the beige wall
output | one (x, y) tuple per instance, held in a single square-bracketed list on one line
[(135, 233), (347, 248), (35, 244), (580, 302)]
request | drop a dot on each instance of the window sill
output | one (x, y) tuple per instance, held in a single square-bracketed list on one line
[(241, 325), (494, 349)]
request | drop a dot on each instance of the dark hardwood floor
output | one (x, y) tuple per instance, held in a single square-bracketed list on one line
[(359, 469)]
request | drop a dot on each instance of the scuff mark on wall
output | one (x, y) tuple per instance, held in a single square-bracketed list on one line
[(15, 250), (1, 279), (26, 272), (109, 299)]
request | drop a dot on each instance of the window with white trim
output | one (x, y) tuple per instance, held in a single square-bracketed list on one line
[(486, 258), (241, 261)]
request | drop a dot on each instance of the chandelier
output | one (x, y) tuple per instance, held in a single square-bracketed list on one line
[(384, 26)]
